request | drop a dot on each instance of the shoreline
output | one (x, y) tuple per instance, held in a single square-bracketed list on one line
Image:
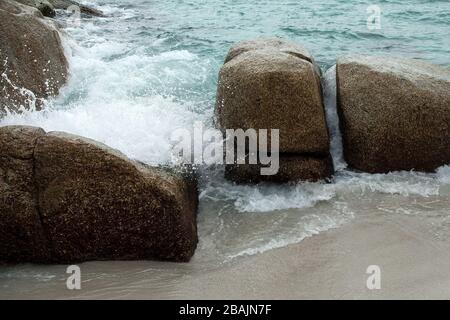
[(332, 265)]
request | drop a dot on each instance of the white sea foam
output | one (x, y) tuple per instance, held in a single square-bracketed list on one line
[(274, 216), (329, 92), (403, 183), (23, 274), (443, 174), (263, 197), (121, 102), (269, 197), (304, 227), (140, 129)]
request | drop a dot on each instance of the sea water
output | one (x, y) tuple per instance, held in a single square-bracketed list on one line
[(150, 68)]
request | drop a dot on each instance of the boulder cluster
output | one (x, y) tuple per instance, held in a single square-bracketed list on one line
[(65, 198), (274, 84), (394, 113)]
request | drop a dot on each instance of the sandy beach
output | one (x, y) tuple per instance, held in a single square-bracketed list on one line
[(332, 265)]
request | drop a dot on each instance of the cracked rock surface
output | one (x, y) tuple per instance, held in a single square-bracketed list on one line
[(275, 84), (65, 198), (394, 113)]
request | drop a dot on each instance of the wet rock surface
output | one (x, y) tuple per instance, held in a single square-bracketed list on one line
[(394, 113), (80, 200)]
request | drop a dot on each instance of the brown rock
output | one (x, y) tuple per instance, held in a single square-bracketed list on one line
[(394, 113), (292, 168), (274, 84), (21, 233), (65, 198), (33, 64), (266, 89), (43, 6), (66, 4), (272, 43), (97, 204)]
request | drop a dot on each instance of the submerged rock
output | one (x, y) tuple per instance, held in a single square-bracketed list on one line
[(394, 113), (45, 7), (33, 66), (85, 201), (274, 84), (67, 4)]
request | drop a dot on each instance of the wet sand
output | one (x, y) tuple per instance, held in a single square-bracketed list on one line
[(332, 265)]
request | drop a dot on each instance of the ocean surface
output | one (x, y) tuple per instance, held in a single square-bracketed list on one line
[(151, 68)]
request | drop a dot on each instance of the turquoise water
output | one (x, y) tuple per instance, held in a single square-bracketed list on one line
[(417, 29), (329, 29), (151, 67)]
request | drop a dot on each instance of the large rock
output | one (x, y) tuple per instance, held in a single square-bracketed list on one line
[(274, 84), (394, 113), (21, 234), (92, 203), (33, 65), (264, 89), (97, 204)]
